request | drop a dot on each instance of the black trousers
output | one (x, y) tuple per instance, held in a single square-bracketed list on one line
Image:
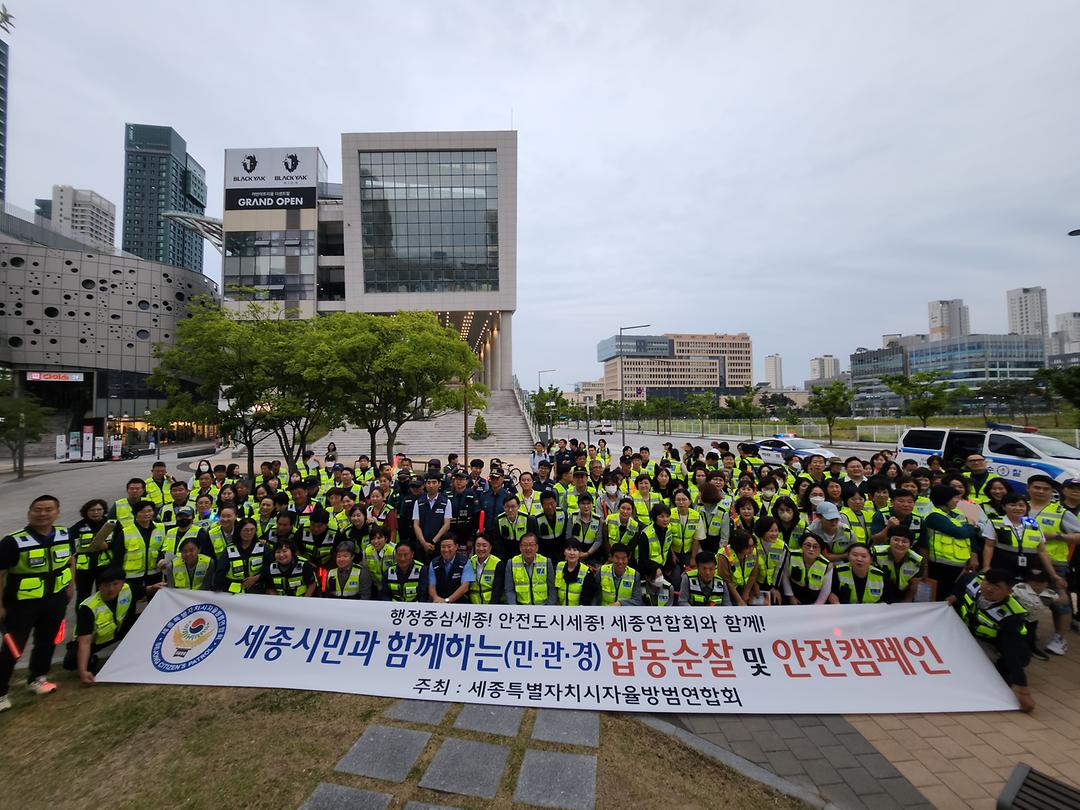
[(41, 617)]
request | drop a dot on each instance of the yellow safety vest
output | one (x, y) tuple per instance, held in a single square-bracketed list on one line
[(986, 622), (901, 573), (240, 568), (614, 589), (945, 549), (39, 562), (682, 529), (106, 623), (570, 592), (182, 580), (1049, 520), (140, 556), (873, 592), (740, 569), (480, 588), (530, 588)]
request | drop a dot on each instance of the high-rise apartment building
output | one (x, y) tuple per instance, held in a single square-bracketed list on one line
[(774, 372), (948, 319), (160, 176), (3, 118), (693, 363), (825, 367), (83, 212), (1066, 336), (1027, 312)]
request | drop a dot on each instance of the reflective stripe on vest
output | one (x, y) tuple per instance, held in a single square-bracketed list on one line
[(986, 623), (811, 578), (351, 586), (240, 568), (481, 587), (570, 592), (106, 623), (404, 590), (900, 572), (140, 556), (36, 562), (682, 529), (184, 581), (291, 583), (740, 569), (945, 549), (614, 589), (530, 587), (697, 595), (1049, 520), (874, 589)]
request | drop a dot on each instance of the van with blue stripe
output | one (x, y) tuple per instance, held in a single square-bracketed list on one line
[(1015, 455)]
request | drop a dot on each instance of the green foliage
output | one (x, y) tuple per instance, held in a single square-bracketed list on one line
[(744, 407), (480, 428), (831, 401), (548, 406), (702, 407), (22, 419), (291, 377), (925, 393), (1065, 382)]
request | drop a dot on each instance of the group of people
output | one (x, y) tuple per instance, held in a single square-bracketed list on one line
[(695, 528)]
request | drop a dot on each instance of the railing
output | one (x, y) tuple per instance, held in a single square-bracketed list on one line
[(519, 395)]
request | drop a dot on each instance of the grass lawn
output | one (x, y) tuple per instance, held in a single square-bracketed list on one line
[(113, 746)]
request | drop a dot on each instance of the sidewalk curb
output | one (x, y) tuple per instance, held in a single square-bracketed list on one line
[(735, 762)]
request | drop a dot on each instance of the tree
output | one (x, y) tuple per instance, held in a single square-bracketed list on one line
[(218, 371), (549, 406), (777, 403), (1065, 382), (702, 407), (830, 402), (925, 393), (22, 420), (745, 407), (1044, 393), (420, 367)]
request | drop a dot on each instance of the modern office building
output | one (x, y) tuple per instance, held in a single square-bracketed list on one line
[(948, 319), (1065, 360), (3, 118), (78, 325), (774, 372), (1027, 312), (971, 360), (160, 176), (1065, 338), (421, 221), (83, 212), (825, 367), (693, 363), (588, 392)]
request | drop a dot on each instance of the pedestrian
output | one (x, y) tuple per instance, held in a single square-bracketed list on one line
[(39, 581)]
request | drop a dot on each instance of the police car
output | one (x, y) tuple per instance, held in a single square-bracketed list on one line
[(1013, 452), (772, 450)]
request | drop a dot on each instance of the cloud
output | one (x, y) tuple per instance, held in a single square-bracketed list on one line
[(812, 174)]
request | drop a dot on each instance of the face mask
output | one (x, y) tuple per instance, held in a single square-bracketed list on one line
[(767, 494), (658, 582), (817, 500), (795, 465), (183, 521), (611, 489)]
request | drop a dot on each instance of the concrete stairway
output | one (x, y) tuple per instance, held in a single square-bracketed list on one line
[(444, 434)]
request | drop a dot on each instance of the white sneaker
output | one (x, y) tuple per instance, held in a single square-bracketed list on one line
[(1057, 645), (40, 686), (5, 703)]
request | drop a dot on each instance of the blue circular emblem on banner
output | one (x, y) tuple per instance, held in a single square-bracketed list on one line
[(188, 637)]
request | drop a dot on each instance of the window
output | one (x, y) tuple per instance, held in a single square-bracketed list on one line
[(1008, 446), (923, 439)]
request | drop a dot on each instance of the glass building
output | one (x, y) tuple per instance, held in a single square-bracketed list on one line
[(430, 221), (159, 176)]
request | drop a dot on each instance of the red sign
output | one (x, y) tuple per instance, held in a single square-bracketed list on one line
[(54, 376)]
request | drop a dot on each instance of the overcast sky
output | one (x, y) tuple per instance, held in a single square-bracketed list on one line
[(810, 173)]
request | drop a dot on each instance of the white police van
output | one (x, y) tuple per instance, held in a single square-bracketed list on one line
[(1015, 455)]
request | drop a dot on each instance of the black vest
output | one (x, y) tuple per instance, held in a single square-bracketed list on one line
[(431, 517), (447, 582)]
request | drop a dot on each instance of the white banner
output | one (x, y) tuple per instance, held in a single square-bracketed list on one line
[(828, 659)]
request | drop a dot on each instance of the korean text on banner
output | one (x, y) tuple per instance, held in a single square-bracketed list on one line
[(857, 659)]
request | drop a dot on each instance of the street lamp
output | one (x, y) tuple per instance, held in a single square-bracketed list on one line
[(622, 378), (538, 388)]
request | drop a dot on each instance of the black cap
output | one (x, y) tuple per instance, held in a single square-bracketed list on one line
[(312, 481), (434, 462), (495, 473), (416, 482), (580, 471), (460, 473), (337, 467)]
